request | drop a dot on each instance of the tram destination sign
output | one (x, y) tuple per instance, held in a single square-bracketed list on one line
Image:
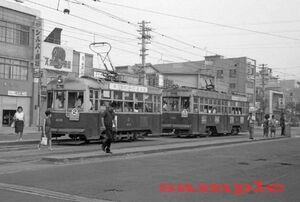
[(129, 88)]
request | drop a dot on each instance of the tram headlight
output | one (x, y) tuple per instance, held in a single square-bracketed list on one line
[(60, 82)]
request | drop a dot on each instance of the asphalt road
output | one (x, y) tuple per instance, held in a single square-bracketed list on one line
[(138, 178)]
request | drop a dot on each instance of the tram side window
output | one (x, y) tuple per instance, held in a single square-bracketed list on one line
[(94, 106), (201, 104), (148, 103), (118, 99), (196, 104), (156, 103), (105, 99), (128, 104), (139, 103), (165, 104), (59, 102), (49, 100)]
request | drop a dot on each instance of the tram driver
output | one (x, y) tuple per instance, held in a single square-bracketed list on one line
[(79, 102)]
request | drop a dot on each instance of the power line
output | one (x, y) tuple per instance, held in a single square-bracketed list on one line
[(84, 19), (198, 20)]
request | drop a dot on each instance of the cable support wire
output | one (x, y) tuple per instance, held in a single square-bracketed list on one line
[(83, 19), (199, 20)]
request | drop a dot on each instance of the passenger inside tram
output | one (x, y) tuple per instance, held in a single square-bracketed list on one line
[(79, 102), (59, 101)]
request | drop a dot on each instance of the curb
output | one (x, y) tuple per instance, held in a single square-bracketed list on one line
[(23, 142), (101, 155)]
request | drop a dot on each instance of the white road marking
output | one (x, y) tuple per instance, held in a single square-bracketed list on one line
[(47, 193)]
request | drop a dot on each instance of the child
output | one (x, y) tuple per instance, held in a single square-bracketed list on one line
[(47, 130), (273, 126), (266, 126)]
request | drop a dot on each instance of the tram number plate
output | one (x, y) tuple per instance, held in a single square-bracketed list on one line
[(59, 120)]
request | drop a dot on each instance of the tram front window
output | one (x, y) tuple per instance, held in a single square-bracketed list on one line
[(59, 102), (49, 100), (75, 100), (185, 103)]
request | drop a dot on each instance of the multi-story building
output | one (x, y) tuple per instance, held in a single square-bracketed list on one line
[(17, 40), (233, 75)]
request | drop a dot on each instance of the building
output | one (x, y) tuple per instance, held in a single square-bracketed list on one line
[(289, 84), (17, 40), (238, 73), (230, 75)]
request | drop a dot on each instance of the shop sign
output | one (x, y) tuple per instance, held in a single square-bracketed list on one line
[(57, 57), (17, 93), (129, 88)]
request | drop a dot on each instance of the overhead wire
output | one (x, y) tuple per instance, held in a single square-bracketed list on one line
[(163, 35), (198, 20)]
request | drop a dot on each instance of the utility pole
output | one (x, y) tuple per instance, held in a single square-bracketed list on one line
[(263, 73), (145, 39)]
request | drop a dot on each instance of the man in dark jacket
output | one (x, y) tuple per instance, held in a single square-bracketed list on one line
[(282, 124), (107, 120)]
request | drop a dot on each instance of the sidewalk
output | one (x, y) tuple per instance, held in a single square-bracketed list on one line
[(7, 134)]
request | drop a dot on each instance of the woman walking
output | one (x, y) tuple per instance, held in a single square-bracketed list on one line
[(47, 130), (19, 119)]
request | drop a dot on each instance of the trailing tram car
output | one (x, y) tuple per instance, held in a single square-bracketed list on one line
[(196, 112), (77, 105)]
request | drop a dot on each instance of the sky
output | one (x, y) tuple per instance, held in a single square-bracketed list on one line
[(264, 30)]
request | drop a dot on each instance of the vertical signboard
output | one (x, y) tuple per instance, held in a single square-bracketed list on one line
[(81, 64), (38, 34)]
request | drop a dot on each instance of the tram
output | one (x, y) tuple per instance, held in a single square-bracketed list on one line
[(77, 105), (195, 112)]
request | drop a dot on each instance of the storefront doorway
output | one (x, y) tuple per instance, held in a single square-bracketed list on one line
[(7, 117)]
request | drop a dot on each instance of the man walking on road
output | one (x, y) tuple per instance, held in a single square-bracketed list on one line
[(282, 124), (251, 120), (108, 119)]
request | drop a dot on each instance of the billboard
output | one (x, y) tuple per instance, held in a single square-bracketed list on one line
[(57, 57)]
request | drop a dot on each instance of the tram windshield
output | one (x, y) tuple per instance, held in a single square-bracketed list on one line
[(75, 100), (176, 104), (59, 100)]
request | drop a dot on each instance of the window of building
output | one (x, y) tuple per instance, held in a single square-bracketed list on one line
[(13, 69), (14, 33), (232, 85), (232, 73), (219, 74)]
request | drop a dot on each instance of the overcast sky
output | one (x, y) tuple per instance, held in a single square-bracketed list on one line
[(276, 17)]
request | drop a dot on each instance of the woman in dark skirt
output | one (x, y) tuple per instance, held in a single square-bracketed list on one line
[(19, 122)]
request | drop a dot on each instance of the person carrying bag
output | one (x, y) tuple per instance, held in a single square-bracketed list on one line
[(46, 136)]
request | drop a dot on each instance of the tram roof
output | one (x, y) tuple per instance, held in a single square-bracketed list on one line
[(83, 83), (71, 83), (186, 92)]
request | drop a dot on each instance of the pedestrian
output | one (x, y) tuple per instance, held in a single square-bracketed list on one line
[(282, 124), (266, 126), (273, 126), (19, 119), (47, 130), (251, 120), (108, 120)]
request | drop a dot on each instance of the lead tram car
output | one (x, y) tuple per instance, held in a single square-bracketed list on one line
[(195, 112), (77, 105)]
